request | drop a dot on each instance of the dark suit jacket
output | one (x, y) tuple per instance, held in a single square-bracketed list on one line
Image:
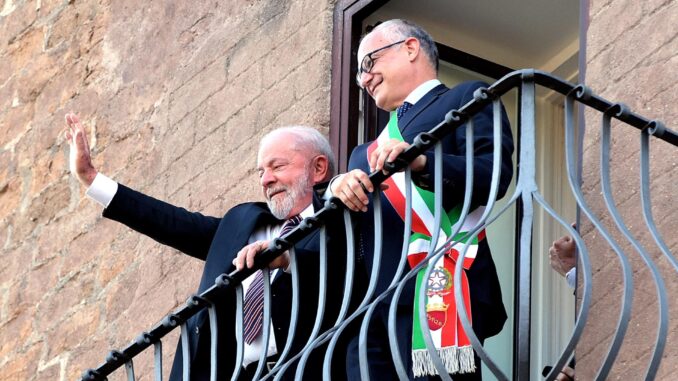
[(487, 308), (216, 241)]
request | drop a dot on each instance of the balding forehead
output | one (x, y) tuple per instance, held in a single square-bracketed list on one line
[(368, 40)]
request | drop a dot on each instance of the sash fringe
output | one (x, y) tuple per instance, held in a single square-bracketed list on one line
[(455, 359)]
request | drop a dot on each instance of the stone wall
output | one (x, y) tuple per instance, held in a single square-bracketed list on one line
[(632, 57), (176, 95)]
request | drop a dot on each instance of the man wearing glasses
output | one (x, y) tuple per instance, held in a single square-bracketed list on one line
[(398, 65)]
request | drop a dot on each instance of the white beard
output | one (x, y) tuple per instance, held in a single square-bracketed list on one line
[(283, 203)]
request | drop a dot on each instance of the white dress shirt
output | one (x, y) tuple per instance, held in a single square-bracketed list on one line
[(571, 277), (422, 90), (103, 189)]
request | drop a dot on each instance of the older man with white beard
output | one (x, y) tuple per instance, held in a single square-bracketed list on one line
[(290, 162)]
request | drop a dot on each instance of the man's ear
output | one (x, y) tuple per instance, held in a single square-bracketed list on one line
[(320, 168), (412, 47)]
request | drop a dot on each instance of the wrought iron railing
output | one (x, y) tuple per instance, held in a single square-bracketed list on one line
[(526, 190)]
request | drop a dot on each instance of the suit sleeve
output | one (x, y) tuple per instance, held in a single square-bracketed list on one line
[(188, 232), (454, 153)]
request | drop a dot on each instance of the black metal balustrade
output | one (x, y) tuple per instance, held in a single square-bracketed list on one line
[(526, 190)]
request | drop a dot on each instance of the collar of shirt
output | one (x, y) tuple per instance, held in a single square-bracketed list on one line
[(308, 212), (421, 90), (271, 231)]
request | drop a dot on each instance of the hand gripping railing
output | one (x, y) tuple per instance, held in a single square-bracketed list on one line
[(526, 189)]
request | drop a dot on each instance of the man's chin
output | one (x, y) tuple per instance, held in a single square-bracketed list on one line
[(279, 211), (383, 103)]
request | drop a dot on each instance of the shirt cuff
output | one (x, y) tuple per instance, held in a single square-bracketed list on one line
[(571, 277), (102, 190), (288, 269), (328, 192)]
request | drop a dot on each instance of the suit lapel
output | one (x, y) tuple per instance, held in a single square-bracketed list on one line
[(420, 106), (261, 217)]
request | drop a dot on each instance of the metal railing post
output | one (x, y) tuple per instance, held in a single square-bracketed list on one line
[(526, 185)]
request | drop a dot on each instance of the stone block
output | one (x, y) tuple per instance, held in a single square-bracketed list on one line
[(77, 328), (311, 74), (39, 281), (668, 367), (151, 303), (59, 90), (116, 259), (280, 61), (200, 157), (15, 334), (177, 139), (261, 42), (10, 196), (49, 202), (49, 167), (50, 370), (20, 57), (21, 365), (211, 185), (634, 46), (14, 125), (48, 8), (8, 96), (116, 154), (597, 6), (16, 24), (88, 248), (120, 295), (189, 95), (62, 28), (312, 110), (225, 104), (16, 262), (87, 355), (611, 22), (72, 290)]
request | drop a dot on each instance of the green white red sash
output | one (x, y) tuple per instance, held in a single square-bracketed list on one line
[(449, 337)]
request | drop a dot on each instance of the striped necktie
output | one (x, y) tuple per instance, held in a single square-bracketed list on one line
[(254, 300)]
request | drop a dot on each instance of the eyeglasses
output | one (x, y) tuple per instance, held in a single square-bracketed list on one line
[(367, 63)]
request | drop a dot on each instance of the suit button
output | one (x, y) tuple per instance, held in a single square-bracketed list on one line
[(197, 330)]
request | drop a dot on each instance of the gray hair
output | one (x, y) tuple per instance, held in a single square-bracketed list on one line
[(309, 139), (399, 29)]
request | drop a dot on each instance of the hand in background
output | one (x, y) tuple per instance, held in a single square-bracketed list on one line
[(567, 374), (562, 254), (80, 157)]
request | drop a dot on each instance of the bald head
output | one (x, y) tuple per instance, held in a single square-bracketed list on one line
[(394, 59), (400, 29)]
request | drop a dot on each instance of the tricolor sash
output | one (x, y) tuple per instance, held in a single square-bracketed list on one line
[(449, 337)]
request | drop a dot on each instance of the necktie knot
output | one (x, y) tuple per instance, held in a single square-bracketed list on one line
[(290, 224), (402, 109)]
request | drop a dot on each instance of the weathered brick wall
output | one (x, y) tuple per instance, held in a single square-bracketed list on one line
[(175, 94), (632, 57)]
